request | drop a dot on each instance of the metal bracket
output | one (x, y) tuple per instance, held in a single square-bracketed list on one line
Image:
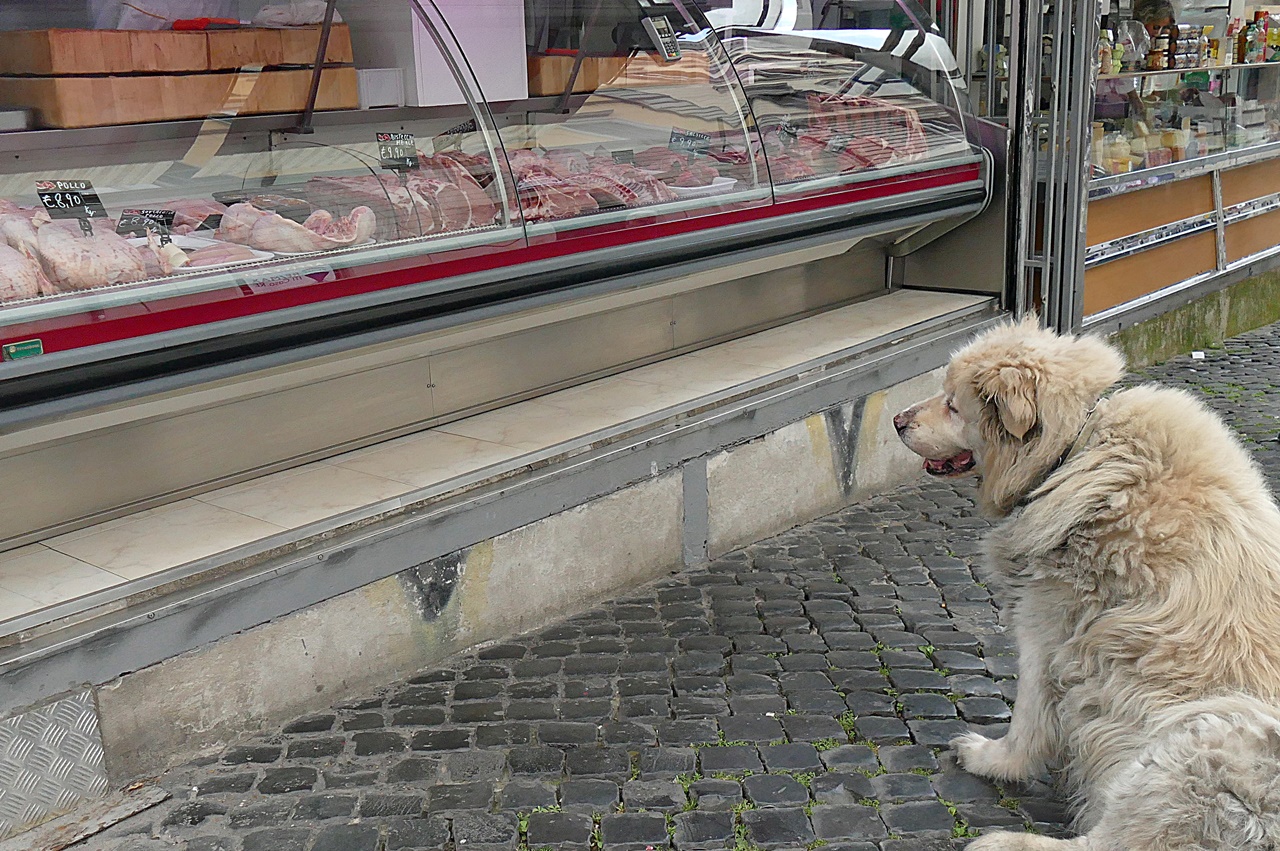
[(308, 113)]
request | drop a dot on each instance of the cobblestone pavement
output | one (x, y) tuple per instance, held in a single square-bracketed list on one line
[(798, 693)]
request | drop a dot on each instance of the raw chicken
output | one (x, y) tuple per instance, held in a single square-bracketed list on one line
[(18, 231), (220, 254), (247, 225), (21, 275), (79, 262)]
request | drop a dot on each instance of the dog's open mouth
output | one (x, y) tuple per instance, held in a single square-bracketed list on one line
[(956, 465)]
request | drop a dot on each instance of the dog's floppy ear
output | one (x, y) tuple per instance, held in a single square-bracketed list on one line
[(1013, 390)]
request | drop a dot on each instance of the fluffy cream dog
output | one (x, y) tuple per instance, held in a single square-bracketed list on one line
[(1139, 561)]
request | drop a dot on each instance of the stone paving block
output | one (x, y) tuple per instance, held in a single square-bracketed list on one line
[(778, 827), (733, 759), (918, 818), (560, 831), (927, 705), (348, 837), (841, 788), (882, 729), (699, 707), (375, 805), (715, 794), (459, 796), (240, 782), (627, 831), (936, 734), (901, 787), (590, 795), (984, 710), (686, 733), (281, 780), (702, 831), (847, 822), (277, 839), (795, 757), (869, 703), (662, 762), (325, 806), (751, 728), (907, 758), (817, 702), (535, 760), (652, 795), (850, 758), (471, 766), (812, 728), (590, 761), (524, 795), (440, 740), (758, 704), (983, 816), (774, 790), (485, 831)]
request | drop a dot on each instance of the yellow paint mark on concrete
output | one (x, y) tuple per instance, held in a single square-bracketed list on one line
[(872, 411), (819, 440)]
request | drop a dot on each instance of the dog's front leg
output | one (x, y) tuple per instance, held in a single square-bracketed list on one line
[(1033, 740)]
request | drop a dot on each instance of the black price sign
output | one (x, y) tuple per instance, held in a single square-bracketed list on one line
[(688, 140), (213, 221), (452, 136), (139, 222), (71, 199), (625, 156), (398, 151)]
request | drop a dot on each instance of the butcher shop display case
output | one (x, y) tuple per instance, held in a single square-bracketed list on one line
[(277, 217)]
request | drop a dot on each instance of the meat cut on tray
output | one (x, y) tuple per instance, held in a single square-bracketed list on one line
[(562, 184), (247, 225), (76, 261), (442, 196)]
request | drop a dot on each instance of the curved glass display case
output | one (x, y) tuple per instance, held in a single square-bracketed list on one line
[(187, 192)]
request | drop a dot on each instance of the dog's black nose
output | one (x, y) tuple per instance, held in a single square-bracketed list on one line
[(901, 421)]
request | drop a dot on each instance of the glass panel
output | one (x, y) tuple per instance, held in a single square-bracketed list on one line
[(165, 167), (641, 119), (1145, 120), (837, 106)]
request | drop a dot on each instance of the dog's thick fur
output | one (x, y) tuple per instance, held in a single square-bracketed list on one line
[(1138, 559)]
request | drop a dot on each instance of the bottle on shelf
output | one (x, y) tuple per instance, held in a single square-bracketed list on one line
[(1273, 39), (1106, 48), (1256, 38)]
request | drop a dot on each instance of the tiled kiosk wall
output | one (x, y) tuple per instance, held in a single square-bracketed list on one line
[(508, 584)]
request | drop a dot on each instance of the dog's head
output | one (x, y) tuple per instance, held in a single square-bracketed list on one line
[(1012, 402)]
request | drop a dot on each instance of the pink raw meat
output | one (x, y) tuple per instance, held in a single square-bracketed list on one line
[(78, 262), (21, 275), (247, 225)]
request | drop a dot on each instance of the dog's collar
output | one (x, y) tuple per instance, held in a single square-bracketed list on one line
[(1082, 436)]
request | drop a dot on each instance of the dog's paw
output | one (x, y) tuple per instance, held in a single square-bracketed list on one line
[(991, 758)]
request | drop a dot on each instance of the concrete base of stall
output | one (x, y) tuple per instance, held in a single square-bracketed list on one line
[(300, 628), (1199, 322)]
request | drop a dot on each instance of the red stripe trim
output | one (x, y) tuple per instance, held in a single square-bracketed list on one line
[(152, 317)]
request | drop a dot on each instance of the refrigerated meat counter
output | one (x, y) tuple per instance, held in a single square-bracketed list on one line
[(144, 261)]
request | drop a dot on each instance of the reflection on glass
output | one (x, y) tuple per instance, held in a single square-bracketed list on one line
[(661, 118), (847, 103)]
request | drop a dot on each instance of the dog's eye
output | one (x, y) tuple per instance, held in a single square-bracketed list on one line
[(951, 406)]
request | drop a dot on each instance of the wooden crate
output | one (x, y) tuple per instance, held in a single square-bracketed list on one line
[(231, 49), (57, 52), (548, 74), (67, 102)]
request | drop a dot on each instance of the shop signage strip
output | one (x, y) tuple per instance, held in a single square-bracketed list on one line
[(1132, 244)]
